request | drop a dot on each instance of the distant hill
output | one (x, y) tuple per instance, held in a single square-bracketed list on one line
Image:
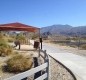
[(63, 30)]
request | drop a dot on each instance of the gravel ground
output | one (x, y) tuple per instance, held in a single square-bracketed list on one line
[(58, 72)]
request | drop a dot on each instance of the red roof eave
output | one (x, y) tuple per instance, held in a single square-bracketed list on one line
[(17, 27)]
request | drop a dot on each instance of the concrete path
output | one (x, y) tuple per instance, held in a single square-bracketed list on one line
[(77, 64)]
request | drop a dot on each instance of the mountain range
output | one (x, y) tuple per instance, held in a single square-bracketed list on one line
[(63, 30)]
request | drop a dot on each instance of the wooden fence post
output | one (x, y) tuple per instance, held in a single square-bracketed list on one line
[(0, 78), (47, 69), (38, 74), (47, 60)]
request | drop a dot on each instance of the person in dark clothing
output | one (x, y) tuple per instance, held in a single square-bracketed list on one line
[(17, 43)]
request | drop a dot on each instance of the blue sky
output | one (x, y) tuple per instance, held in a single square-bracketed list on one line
[(43, 13)]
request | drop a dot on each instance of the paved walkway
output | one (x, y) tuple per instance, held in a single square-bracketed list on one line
[(77, 64)]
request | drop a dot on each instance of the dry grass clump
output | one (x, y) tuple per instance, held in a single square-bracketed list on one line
[(74, 46), (5, 49), (19, 63), (10, 40), (83, 46)]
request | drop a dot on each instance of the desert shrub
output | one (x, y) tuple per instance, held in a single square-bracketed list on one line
[(83, 46), (5, 49), (2, 41), (34, 36), (10, 40), (74, 46), (67, 38), (19, 63), (1, 36), (9, 50), (21, 38), (3, 45)]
